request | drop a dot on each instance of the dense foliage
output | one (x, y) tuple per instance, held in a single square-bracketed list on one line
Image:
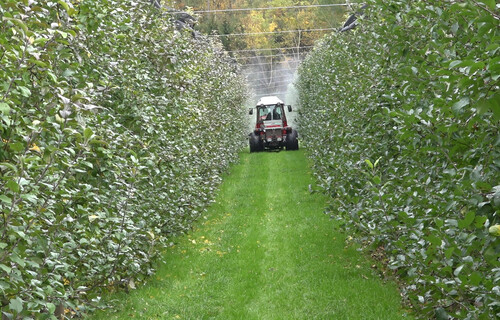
[(115, 130), (401, 118)]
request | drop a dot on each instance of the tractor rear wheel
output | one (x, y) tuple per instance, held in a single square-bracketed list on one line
[(255, 143), (291, 141)]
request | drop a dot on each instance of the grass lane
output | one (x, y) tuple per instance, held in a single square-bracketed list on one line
[(265, 250)]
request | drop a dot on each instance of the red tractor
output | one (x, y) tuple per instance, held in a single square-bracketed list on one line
[(271, 128)]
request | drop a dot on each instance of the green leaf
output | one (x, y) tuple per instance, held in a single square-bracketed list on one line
[(59, 119), (5, 199), (458, 270), (24, 91), (479, 222), (5, 268), (68, 73), (3, 245), (377, 180), (460, 63), (52, 76), (489, 3), (16, 305), (64, 5), (18, 22), (483, 106), (64, 35), (476, 66), (454, 63), (434, 240), (16, 259), (38, 63), (459, 105), (467, 220), (88, 164), (18, 146), (29, 197), (41, 41), (87, 133), (439, 222), (369, 163), (449, 252), (484, 186), (4, 108), (10, 166), (99, 142), (441, 314), (4, 286), (12, 185), (494, 105), (475, 278), (51, 307)]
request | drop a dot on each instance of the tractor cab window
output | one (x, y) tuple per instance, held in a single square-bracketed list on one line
[(272, 112), (263, 113), (277, 113)]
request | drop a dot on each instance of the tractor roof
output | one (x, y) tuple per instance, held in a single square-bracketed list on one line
[(269, 100)]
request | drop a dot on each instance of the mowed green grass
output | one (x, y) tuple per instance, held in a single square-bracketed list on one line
[(264, 250)]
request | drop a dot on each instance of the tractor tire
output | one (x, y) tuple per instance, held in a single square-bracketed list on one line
[(255, 143), (291, 141)]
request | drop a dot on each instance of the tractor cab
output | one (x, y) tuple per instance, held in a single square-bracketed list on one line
[(271, 115)]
